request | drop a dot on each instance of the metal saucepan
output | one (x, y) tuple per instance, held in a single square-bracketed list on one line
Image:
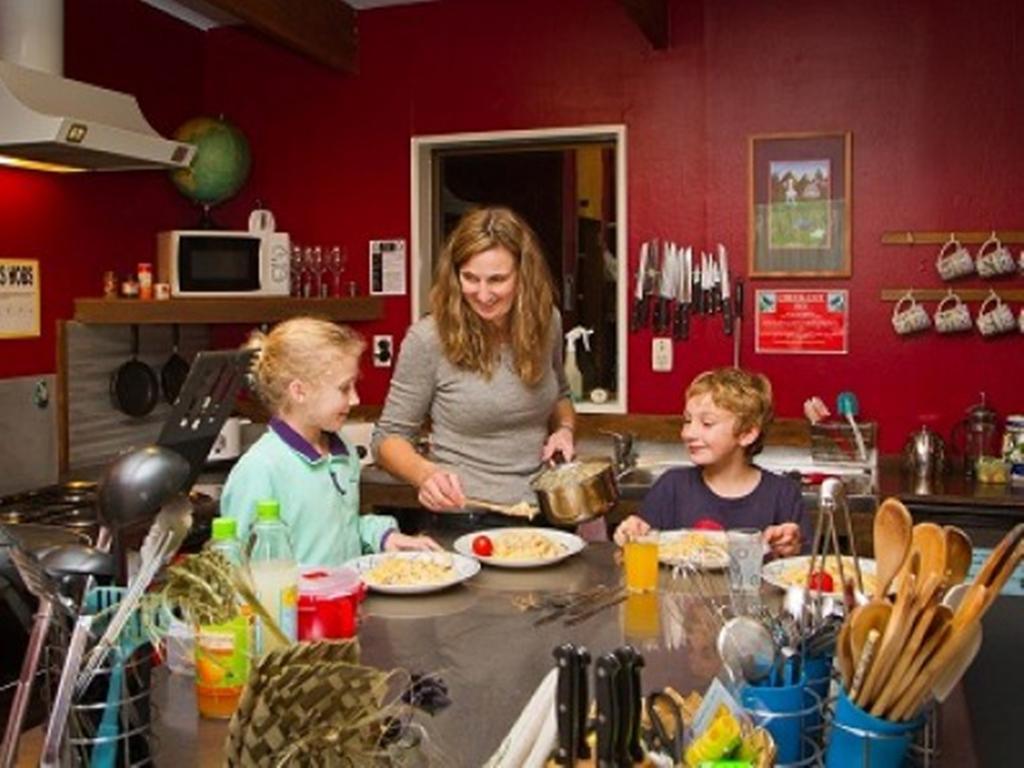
[(577, 491), (133, 386), (175, 370)]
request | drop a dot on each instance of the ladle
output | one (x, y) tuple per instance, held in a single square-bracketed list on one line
[(78, 560), (892, 537)]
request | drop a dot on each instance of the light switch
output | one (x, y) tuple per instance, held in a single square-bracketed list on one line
[(661, 355)]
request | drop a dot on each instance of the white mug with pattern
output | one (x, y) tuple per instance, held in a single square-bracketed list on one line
[(994, 258), (952, 315), (954, 260), (995, 317), (908, 316)]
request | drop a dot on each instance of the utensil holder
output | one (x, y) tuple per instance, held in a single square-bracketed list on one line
[(857, 739), (833, 442), (792, 715)]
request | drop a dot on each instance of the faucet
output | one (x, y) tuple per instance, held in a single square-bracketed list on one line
[(623, 450)]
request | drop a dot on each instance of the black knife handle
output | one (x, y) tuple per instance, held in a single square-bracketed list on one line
[(657, 323), (738, 299), (727, 316), (698, 298), (640, 314), (681, 324), (582, 702), (565, 703), (631, 698), (606, 671)]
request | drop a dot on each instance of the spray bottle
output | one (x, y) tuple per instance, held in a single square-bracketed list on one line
[(572, 369)]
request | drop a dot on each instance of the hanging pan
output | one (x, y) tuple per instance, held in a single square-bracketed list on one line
[(175, 370), (133, 386)]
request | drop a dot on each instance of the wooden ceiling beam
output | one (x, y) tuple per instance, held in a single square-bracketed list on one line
[(651, 16), (324, 30)]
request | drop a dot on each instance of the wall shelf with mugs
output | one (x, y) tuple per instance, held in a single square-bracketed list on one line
[(233, 309)]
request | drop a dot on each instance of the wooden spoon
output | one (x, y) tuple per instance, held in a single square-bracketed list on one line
[(844, 651), (958, 555), (929, 540), (892, 537), (942, 671), (874, 615), (521, 509), (939, 627), (997, 568)]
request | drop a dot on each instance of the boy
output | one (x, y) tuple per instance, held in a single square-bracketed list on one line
[(727, 411)]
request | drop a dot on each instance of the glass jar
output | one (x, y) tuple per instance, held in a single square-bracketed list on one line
[(1013, 447)]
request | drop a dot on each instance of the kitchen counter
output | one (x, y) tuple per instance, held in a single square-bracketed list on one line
[(949, 489), (480, 638)]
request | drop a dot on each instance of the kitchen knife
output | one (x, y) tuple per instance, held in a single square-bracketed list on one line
[(681, 326), (666, 290), (565, 704), (606, 671), (723, 264), (631, 699), (705, 283), (582, 702), (639, 317), (716, 285), (738, 308)]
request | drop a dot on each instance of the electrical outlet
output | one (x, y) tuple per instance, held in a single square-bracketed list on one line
[(383, 350), (661, 355)]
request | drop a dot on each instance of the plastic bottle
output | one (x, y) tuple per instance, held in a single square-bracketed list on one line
[(571, 366), (222, 650), (275, 574)]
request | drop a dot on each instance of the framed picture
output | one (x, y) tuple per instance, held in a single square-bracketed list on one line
[(800, 205)]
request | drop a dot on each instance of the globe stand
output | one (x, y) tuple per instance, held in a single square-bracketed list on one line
[(206, 220)]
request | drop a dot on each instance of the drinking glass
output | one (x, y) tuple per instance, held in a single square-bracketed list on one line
[(295, 269), (640, 557), (745, 558), (336, 259)]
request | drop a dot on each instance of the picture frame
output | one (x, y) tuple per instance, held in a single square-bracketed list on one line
[(800, 200)]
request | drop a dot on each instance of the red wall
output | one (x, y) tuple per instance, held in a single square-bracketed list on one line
[(929, 88), (80, 225)]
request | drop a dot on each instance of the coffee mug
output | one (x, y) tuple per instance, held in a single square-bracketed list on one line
[(954, 260), (952, 317), (994, 258), (995, 317), (908, 316)]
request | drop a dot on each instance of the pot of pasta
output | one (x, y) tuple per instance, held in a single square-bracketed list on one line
[(577, 491)]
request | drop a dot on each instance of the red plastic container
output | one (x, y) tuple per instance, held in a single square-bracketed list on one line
[(329, 603)]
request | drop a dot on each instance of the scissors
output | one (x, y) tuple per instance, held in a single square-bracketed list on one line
[(666, 732)]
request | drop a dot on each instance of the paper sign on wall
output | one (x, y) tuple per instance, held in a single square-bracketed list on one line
[(19, 298), (801, 322), (387, 267)]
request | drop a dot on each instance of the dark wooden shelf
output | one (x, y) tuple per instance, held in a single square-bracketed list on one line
[(965, 294), (235, 309), (939, 238)]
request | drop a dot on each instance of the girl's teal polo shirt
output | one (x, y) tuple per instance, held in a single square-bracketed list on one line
[(319, 496)]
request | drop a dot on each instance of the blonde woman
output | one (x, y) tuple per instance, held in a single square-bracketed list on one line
[(485, 367), (306, 372)]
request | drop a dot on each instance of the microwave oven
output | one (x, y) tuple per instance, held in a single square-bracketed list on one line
[(221, 263)]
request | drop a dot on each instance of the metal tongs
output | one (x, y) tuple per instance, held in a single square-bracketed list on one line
[(832, 497)]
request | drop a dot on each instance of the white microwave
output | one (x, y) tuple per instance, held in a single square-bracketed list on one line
[(220, 263)]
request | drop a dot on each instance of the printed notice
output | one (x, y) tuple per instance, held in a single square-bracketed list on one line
[(387, 267), (19, 298), (801, 322)]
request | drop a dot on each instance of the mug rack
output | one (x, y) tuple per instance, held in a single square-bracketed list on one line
[(966, 294), (938, 238)]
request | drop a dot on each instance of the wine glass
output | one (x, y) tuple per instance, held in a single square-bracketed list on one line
[(336, 260), (295, 271)]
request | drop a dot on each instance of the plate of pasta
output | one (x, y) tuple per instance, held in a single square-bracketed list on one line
[(704, 549), (792, 572), (521, 547), (414, 573)]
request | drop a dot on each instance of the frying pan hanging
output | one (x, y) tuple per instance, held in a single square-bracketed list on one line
[(133, 386), (175, 370)]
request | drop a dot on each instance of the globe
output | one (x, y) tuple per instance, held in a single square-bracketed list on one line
[(221, 163)]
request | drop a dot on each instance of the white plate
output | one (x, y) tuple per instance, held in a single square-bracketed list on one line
[(570, 545), (462, 568), (714, 556), (792, 571)]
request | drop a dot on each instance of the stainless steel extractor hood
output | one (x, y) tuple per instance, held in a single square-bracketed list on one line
[(49, 122), (53, 121)]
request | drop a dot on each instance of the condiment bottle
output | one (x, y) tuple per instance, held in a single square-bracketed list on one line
[(275, 574), (145, 271), (222, 650)]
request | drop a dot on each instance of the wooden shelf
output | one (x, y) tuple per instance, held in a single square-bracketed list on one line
[(966, 294), (938, 238), (236, 309)]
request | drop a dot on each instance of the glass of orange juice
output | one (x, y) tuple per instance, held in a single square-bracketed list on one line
[(640, 556)]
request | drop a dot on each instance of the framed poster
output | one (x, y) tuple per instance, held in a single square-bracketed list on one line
[(387, 267), (800, 205), (19, 298), (801, 322)]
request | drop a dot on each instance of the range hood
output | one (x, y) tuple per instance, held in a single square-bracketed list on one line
[(49, 122), (46, 120)]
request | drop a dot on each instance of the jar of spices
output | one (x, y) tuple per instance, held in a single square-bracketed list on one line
[(145, 280), (110, 284), (130, 288), (1013, 447)]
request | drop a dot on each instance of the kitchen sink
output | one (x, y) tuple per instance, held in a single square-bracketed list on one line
[(635, 483)]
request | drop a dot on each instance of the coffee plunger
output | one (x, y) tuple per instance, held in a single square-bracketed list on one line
[(974, 436)]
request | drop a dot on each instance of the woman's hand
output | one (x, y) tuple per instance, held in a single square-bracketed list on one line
[(559, 441), (784, 540), (441, 491), (399, 541), (631, 527)]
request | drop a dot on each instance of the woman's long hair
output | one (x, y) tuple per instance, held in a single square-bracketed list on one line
[(471, 343)]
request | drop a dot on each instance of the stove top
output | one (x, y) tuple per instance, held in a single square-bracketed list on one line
[(70, 505)]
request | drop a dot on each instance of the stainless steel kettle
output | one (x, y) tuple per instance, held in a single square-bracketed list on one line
[(924, 453)]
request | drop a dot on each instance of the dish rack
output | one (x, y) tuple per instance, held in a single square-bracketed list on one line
[(834, 442)]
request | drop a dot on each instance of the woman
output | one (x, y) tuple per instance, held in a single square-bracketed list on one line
[(486, 366)]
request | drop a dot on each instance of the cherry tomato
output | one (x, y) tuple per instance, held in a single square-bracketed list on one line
[(483, 546), (820, 580)]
